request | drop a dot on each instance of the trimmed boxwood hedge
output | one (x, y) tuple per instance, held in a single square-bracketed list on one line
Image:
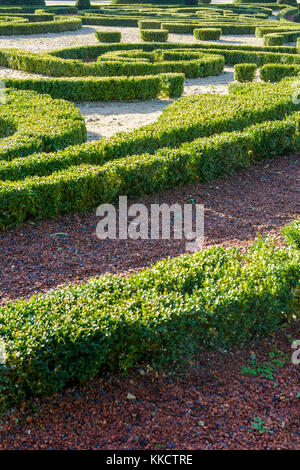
[(149, 24), (108, 36), (104, 88), (67, 62), (245, 72), (207, 34), (60, 24), (154, 35), (276, 72), (112, 64), (277, 39), (83, 187), (40, 124), (292, 233), (211, 299)]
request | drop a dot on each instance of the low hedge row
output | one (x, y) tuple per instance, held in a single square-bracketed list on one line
[(277, 39), (32, 18), (276, 72), (260, 32), (292, 233), (62, 63), (83, 187), (108, 65), (154, 35), (149, 24), (232, 54), (59, 10), (39, 124), (103, 20), (188, 119), (61, 24), (226, 28), (207, 34), (104, 88), (245, 72), (84, 52), (108, 36), (211, 299)]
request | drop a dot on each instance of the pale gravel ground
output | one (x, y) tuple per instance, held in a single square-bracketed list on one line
[(85, 36), (108, 118), (104, 119)]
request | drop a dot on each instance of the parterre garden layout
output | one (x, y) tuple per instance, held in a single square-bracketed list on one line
[(217, 299)]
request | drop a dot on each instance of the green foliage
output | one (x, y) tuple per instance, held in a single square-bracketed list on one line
[(276, 72), (37, 123), (149, 24), (83, 4), (292, 233), (154, 35), (287, 2), (245, 72), (83, 186), (108, 36), (60, 24), (267, 369), (277, 39), (23, 2), (117, 63), (260, 426), (213, 298), (207, 34), (104, 88), (185, 155)]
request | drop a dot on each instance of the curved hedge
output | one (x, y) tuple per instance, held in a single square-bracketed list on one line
[(116, 63), (104, 88), (207, 34), (60, 24), (154, 35), (79, 178), (39, 124), (276, 72), (210, 299)]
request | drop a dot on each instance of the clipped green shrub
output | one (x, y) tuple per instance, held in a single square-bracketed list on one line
[(276, 72), (211, 299), (207, 34), (23, 2), (149, 24), (108, 36), (40, 124), (61, 24), (83, 186), (292, 233), (287, 2), (154, 35), (104, 88), (245, 72), (277, 39), (114, 63), (83, 4)]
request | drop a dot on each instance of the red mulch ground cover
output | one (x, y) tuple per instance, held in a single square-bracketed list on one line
[(41, 255), (213, 406)]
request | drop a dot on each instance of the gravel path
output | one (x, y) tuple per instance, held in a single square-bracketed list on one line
[(85, 35), (104, 119), (41, 255), (209, 406)]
